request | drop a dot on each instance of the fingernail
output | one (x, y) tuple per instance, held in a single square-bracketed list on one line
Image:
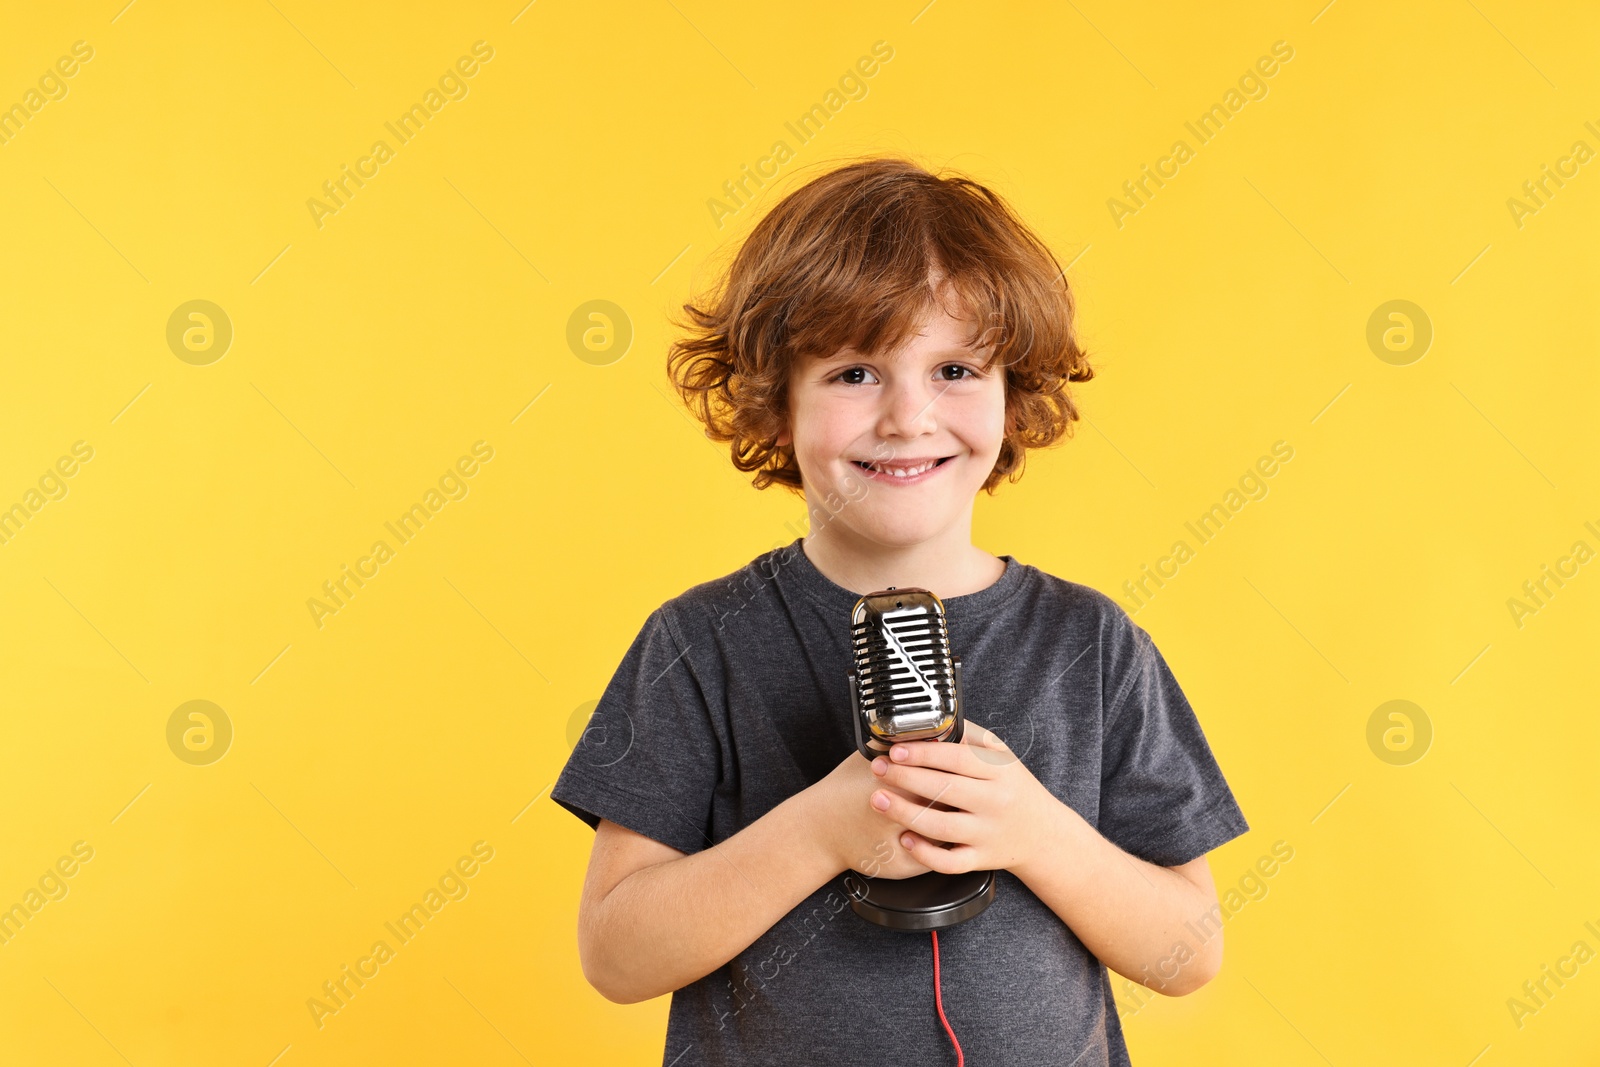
[(906, 840), (898, 753), (879, 766), (880, 801)]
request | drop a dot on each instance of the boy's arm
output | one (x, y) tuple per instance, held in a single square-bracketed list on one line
[(1155, 925), (666, 924), (672, 923)]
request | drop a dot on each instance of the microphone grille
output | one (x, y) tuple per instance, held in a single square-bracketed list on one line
[(905, 673)]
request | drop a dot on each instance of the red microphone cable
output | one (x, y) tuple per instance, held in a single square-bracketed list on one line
[(939, 1001)]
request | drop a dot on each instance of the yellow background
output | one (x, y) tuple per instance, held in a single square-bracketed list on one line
[(431, 311)]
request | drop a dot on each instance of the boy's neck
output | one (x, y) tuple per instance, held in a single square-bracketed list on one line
[(947, 567)]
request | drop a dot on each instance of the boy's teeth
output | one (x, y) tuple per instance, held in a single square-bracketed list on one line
[(905, 472)]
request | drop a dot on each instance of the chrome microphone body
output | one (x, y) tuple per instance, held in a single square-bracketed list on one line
[(906, 686)]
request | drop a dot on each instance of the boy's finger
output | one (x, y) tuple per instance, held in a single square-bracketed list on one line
[(955, 826), (932, 786), (935, 857), (943, 756)]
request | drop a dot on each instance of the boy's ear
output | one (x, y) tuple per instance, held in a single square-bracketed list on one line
[(784, 439)]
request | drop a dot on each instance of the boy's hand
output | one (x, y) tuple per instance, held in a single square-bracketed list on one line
[(856, 835), (1003, 815)]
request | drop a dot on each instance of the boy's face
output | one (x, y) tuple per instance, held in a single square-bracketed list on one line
[(929, 400)]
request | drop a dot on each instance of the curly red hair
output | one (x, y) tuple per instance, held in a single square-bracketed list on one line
[(857, 257)]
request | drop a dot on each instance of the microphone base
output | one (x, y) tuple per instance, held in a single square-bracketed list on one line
[(930, 901)]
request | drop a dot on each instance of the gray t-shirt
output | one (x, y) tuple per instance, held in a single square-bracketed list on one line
[(735, 696)]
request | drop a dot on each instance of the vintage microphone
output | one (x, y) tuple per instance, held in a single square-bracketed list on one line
[(906, 686)]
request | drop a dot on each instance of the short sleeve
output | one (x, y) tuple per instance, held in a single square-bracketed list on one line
[(649, 758), (1162, 796)]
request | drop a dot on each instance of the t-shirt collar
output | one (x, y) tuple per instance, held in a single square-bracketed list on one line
[(797, 567)]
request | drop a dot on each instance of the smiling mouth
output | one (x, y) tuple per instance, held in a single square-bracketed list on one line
[(902, 471)]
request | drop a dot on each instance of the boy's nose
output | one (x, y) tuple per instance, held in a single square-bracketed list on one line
[(909, 409)]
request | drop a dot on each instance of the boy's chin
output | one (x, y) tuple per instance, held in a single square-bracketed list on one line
[(908, 529)]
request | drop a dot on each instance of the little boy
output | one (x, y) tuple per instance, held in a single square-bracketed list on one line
[(890, 343)]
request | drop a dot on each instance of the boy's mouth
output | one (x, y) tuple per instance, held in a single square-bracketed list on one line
[(902, 469)]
